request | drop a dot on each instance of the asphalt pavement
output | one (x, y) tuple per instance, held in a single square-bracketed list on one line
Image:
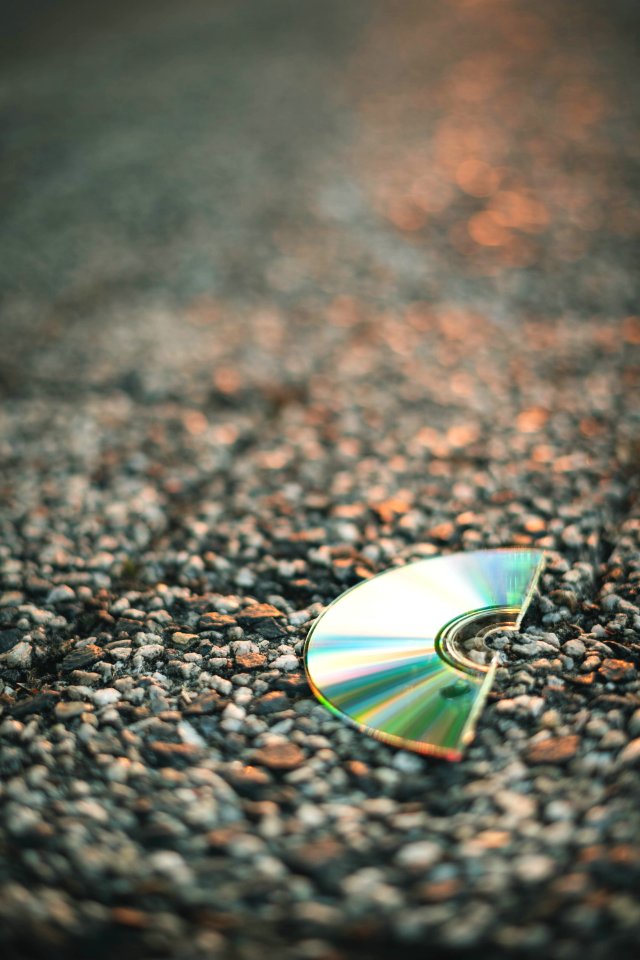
[(293, 293)]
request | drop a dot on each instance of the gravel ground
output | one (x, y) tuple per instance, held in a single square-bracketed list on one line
[(295, 293)]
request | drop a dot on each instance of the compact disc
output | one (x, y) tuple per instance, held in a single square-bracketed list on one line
[(390, 655)]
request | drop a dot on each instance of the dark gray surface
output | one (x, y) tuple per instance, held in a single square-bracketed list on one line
[(292, 293)]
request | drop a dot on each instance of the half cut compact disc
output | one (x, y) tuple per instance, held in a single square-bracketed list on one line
[(390, 655)]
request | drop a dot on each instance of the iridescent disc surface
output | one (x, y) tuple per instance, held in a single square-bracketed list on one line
[(374, 656)]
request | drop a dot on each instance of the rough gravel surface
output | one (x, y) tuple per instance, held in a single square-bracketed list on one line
[(294, 293)]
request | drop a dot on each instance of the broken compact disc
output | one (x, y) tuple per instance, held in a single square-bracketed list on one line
[(388, 656)]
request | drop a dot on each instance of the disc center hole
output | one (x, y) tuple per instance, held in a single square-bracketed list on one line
[(472, 642), (480, 647)]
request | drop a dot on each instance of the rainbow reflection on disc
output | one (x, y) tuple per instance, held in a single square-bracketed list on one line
[(383, 656)]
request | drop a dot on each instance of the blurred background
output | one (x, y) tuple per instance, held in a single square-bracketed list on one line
[(173, 169), (293, 291)]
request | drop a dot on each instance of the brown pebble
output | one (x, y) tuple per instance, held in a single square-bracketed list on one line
[(248, 780), (534, 525), (388, 510), (491, 839), (182, 639), (250, 661), (204, 704), (443, 531), (581, 679), (615, 670), (553, 750), (348, 511), (357, 768), (173, 752), (279, 756), (130, 917), (438, 890), (67, 711), (216, 621), (259, 611), (169, 716)]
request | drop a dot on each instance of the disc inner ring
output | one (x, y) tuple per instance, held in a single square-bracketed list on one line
[(478, 625)]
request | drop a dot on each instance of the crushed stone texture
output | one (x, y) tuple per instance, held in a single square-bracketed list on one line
[(293, 293)]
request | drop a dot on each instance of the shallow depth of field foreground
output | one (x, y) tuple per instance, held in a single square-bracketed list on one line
[(294, 293)]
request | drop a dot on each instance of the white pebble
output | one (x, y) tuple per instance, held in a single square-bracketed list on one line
[(286, 662), (419, 855), (534, 867), (149, 651), (189, 734), (61, 594), (19, 655), (104, 697)]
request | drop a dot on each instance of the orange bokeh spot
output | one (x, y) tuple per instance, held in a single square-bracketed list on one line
[(532, 419), (477, 178), (195, 422), (631, 330), (520, 211), (227, 380), (486, 230)]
